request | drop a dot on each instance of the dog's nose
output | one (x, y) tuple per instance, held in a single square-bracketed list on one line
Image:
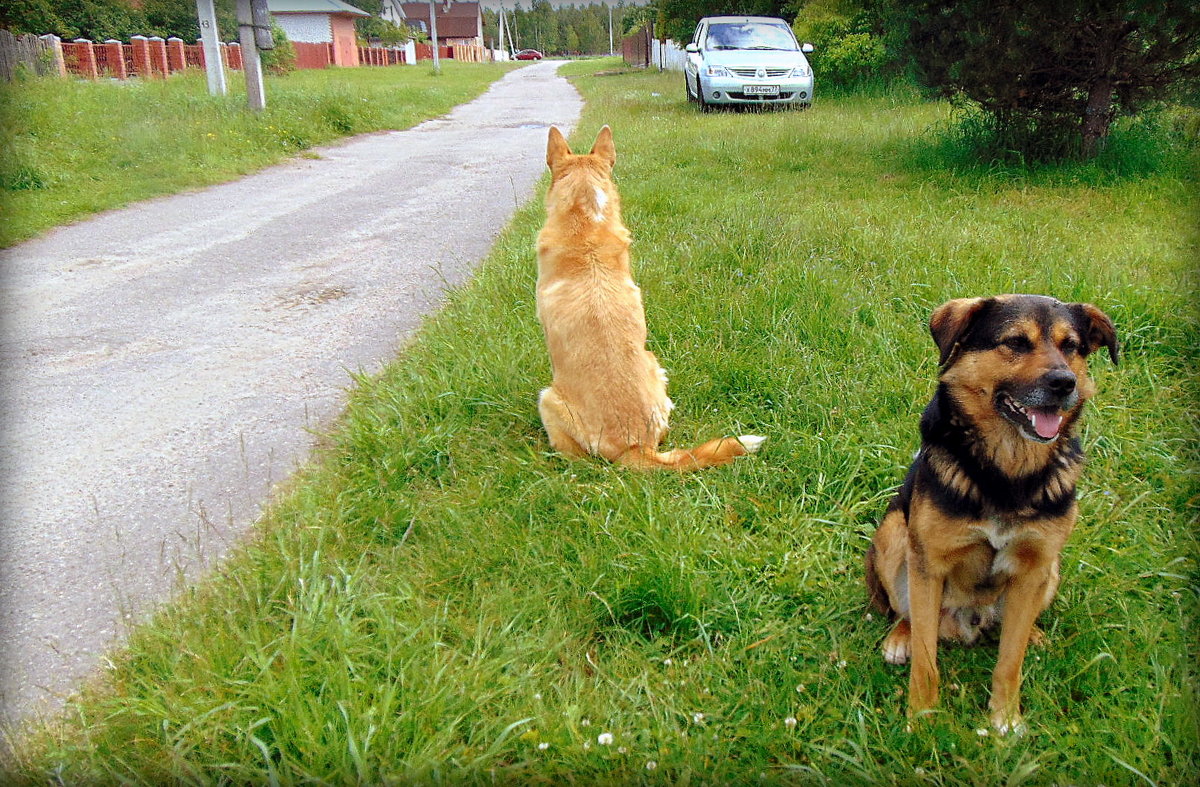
[(1060, 381)]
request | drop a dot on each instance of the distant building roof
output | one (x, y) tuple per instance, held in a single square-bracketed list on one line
[(462, 20), (313, 7)]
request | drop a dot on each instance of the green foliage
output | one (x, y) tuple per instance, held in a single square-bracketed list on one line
[(376, 29), (441, 599), (1053, 75), (99, 20), (373, 29), (38, 17), (849, 50), (167, 18), (853, 59), (282, 59)]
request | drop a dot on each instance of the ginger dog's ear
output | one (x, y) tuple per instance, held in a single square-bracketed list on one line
[(1096, 328), (556, 147), (604, 147), (950, 323)]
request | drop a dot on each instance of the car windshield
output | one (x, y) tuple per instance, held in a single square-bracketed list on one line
[(749, 36)]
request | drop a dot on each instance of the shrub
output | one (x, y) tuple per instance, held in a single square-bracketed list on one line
[(848, 52), (282, 59)]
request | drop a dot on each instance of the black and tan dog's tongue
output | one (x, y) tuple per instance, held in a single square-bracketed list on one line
[(1045, 422)]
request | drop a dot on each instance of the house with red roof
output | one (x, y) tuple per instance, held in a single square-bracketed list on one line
[(457, 23)]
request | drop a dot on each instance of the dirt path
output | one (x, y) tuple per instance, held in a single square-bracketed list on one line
[(162, 364)]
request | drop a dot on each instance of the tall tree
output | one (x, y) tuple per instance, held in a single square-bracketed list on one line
[(1053, 74)]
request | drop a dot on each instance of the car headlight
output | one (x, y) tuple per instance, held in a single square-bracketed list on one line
[(716, 71), (801, 71)]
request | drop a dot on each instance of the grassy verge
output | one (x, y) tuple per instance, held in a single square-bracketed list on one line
[(443, 600), (72, 148)]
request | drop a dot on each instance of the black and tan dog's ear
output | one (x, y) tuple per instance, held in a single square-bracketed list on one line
[(604, 147), (1096, 328), (556, 147), (950, 322)]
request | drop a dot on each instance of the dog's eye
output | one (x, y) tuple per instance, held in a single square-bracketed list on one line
[(1069, 346), (1019, 344)]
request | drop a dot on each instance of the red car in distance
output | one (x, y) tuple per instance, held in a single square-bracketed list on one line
[(528, 54)]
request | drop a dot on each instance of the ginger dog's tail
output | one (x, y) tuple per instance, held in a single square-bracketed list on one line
[(721, 451)]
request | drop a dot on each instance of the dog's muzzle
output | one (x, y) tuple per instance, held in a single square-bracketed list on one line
[(1037, 410)]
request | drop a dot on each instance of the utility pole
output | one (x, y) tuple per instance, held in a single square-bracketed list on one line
[(214, 69), (256, 96), (610, 36), (437, 66), (501, 23), (512, 49)]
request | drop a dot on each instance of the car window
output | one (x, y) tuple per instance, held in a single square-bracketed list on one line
[(749, 36)]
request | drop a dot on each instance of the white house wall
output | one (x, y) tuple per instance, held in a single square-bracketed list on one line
[(306, 28)]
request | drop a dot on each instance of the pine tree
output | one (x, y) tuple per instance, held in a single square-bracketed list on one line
[(1053, 74)]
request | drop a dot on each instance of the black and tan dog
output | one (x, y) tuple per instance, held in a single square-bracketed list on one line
[(973, 536)]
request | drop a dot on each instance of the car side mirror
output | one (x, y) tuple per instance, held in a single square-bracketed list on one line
[(806, 48), (692, 48)]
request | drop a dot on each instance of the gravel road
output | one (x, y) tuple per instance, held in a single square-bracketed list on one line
[(163, 365)]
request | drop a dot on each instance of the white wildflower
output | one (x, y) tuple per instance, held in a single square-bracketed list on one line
[(604, 738)]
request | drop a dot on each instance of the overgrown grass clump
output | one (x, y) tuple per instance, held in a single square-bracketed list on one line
[(442, 599), (70, 148), (1156, 141)]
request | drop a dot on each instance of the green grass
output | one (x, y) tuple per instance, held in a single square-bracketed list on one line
[(441, 599), (69, 148)]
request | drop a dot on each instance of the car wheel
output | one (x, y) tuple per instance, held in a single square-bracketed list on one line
[(687, 88), (704, 105)]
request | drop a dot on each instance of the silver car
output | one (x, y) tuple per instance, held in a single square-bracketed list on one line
[(747, 60)]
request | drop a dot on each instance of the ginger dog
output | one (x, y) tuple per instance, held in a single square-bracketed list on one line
[(973, 537), (608, 396)]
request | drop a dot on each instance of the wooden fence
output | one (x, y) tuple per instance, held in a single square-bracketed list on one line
[(38, 54), (637, 47), (322, 55), (463, 52)]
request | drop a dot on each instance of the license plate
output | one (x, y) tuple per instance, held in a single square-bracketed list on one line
[(761, 90)]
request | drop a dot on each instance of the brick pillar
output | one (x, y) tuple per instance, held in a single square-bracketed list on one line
[(233, 56), (141, 56), (176, 55), (158, 56), (85, 58), (115, 54), (58, 65)]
